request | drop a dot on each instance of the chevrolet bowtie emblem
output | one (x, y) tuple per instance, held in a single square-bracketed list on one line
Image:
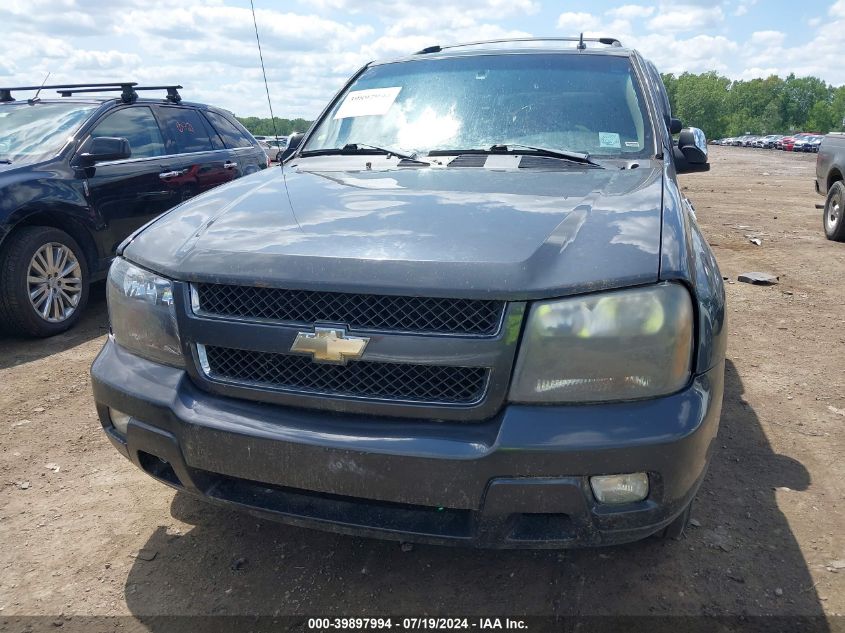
[(330, 345)]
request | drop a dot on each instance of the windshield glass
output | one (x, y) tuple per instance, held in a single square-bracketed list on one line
[(580, 103), (29, 133)]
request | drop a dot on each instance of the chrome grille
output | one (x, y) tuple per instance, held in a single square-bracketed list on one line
[(357, 311), (399, 382)]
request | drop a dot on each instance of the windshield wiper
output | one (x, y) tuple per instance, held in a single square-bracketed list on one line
[(361, 148), (5, 161), (578, 157), (518, 148)]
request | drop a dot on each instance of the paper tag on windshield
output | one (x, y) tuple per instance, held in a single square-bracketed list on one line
[(609, 139), (376, 101)]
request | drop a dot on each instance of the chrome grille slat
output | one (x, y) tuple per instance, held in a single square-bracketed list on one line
[(479, 317), (395, 382)]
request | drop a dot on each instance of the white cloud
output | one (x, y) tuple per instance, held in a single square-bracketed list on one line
[(474, 9), (103, 60), (700, 53), (394, 44), (757, 72), (50, 18), (772, 52), (311, 47), (630, 12), (743, 6), (768, 38), (576, 23), (687, 17), (594, 26)]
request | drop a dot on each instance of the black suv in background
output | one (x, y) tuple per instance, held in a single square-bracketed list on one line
[(79, 173)]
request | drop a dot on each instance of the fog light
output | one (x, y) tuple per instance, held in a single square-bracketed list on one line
[(119, 420), (620, 488)]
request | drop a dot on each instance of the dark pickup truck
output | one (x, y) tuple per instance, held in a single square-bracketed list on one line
[(830, 168), (472, 307)]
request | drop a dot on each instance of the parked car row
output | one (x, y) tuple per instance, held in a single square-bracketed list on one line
[(802, 142), (273, 146), (79, 173)]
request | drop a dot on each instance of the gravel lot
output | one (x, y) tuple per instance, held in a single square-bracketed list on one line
[(78, 523)]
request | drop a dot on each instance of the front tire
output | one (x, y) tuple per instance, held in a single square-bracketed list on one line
[(834, 209), (43, 282)]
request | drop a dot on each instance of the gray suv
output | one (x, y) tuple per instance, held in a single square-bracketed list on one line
[(473, 306)]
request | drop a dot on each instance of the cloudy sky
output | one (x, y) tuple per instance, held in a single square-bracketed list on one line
[(312, 46)]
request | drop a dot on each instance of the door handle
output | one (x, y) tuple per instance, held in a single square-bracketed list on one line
[(229, 164), (171, 174)]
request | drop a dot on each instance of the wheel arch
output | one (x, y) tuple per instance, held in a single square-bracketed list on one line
[(834, 176), (63, 222)]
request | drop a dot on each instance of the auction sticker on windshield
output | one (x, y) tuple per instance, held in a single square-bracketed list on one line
[(609, 139), (376, 101)]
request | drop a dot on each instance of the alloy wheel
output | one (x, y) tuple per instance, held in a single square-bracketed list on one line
[(834, 211), (54, 281)]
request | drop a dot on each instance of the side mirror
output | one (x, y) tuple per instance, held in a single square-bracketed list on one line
[(674, 124), (691, 151), (106, 148), (293, 143)]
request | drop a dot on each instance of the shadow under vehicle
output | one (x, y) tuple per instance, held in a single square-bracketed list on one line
[(738, 569)]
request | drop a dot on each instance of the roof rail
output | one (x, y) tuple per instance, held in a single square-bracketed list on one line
[(607, 41), (128, 89), (6, 93)]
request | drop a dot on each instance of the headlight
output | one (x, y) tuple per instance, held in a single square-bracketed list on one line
[(142, 315), (616, 345)]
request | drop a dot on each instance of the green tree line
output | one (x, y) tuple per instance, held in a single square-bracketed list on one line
[(722, 107), (264, 127)]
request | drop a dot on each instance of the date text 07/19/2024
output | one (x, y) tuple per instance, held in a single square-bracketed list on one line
[(415, 623)]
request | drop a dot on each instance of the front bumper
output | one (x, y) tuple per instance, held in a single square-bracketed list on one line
[(519, 479)]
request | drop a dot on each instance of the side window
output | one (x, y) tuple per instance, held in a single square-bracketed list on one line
[(232, 136), (138, 125), (185, 130), (216, 141), (661, 88)]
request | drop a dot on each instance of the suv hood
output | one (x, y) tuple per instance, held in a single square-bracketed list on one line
[(469, 232)]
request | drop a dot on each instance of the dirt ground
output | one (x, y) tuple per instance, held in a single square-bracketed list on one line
[(769, 524)]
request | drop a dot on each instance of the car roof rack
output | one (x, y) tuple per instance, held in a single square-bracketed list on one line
[(607, 41), (6, 93), (128, 89)]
